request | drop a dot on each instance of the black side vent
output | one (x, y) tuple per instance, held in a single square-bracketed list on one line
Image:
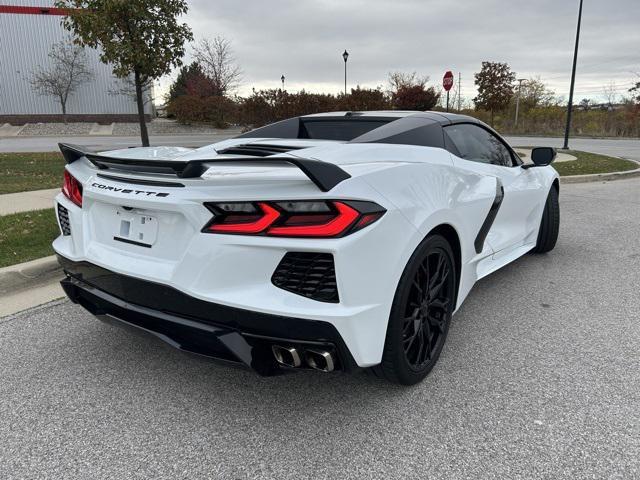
[(63, 216), (255, 150), (311, 275)]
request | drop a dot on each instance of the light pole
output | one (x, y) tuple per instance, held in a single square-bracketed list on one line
[(573, 81), (282, 79), (345, 56), (520, 82)]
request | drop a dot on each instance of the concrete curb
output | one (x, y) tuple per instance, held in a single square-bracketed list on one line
[(23, 276), (602, 177)]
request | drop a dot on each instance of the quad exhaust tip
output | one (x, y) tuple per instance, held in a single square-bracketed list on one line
[(287, 356), (319, 360)]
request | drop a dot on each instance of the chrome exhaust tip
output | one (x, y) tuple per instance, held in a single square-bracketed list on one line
[(320, 360), (287, 356)]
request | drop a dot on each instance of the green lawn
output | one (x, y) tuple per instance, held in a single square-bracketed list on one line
[(27, 236), (592, 163), (588, 163), (22, 172)]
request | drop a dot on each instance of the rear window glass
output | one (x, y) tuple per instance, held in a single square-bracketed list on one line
[(339, 129)]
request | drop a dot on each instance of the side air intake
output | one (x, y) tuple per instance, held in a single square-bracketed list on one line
[(63, 216)]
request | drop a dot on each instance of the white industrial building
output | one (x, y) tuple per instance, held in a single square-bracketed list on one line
[(28, 29)]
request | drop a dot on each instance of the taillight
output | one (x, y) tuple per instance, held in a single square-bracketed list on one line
[(314, 218), (72, 189)]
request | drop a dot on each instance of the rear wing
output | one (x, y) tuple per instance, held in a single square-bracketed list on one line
[(323, 174)]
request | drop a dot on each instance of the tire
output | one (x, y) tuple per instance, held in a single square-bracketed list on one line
[(549, 225), (419, 314)]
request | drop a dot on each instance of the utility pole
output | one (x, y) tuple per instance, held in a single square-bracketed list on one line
[(459, 89), (573, 81), (520, 81)]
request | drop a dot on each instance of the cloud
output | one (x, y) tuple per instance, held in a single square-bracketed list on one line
[(304, 40)]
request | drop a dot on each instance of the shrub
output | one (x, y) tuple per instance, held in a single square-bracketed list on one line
[(415, 97), (218, 111)]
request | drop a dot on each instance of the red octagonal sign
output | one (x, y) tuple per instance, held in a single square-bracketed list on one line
[(447, 81)]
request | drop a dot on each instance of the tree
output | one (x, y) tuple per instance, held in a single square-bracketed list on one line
[(67, 71), (398, 80), (586, 104), (140, 38), (495, 87), (610, 93), (191, 80), (218, 63), (635, 93), (409, 91), (415, 97), (535, 93), (363, 99), (127, 87)]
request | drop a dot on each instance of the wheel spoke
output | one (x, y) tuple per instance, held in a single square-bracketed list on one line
[(426, 340), (433, 291), (438, 273), (421, 345), (408, 323), (442, 303), (437, 322)]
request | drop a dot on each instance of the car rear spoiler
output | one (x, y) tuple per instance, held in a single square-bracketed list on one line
[(323, 174)]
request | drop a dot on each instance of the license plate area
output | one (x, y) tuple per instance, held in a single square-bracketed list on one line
[(136, 227)]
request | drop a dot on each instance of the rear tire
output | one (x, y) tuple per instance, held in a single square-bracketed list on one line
[(550, 224), (420, 314)]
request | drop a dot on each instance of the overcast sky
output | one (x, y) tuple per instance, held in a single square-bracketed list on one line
[(304, 40)]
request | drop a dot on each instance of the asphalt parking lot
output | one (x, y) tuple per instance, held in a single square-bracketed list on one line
[(540, 378)]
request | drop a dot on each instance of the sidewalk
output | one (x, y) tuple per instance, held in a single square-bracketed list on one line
[(27, 201)]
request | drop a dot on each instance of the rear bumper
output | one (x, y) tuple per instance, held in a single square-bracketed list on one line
[(218, 331)]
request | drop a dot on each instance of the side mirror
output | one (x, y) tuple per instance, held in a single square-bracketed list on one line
[(543, 156)]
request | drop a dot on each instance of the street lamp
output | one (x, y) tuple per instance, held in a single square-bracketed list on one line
[(573, 81), (282, 80), (345, 56), (520, 82)]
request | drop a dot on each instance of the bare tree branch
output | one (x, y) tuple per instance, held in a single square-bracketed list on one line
[(398, 80), (219, 64), (610, 92), (67, 71), (127, 87)]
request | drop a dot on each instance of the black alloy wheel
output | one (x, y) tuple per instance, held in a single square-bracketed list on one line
[(421, 313), (428, 309)]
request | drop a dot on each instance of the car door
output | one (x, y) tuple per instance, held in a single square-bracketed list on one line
[(478, 149)]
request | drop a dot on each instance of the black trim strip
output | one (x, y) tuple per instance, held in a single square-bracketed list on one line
[(132, 242), (491, 216), (155, 183), (323, 174)]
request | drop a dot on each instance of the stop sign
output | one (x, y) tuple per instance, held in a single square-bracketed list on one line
[(447, 81)]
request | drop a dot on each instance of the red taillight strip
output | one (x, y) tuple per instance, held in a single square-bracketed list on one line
[(293, 218), (336, 226), (72, 189), (270, 216)]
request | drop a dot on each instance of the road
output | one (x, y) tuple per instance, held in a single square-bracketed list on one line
[(50, 144), (619, 147), (540, 378), (628, 148)]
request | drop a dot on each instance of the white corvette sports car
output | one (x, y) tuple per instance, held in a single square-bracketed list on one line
[(337, 241)]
